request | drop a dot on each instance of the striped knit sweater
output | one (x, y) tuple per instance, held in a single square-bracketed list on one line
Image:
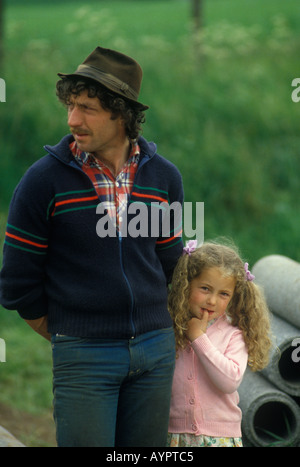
[(55, 263)]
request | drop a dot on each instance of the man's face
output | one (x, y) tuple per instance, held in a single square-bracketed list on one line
[(92, 126)]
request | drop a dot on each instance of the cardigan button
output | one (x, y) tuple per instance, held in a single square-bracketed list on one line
[(192, 401), (194, 427)]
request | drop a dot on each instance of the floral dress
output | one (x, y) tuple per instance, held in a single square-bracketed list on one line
[(178, 440)]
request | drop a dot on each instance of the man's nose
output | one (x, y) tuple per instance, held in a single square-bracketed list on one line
[(74, 117)]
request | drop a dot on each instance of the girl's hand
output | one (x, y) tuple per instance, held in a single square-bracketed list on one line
[(197, 327)]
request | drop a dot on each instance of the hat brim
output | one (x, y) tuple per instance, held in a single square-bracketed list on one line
[(86, 74)]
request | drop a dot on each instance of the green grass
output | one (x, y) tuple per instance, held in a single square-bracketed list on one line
[(26, 376), (220, 109)]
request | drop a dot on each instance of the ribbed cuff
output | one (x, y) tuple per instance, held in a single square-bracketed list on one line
[(202, 344)]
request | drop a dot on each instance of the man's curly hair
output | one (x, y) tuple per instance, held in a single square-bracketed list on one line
[(131, 113)]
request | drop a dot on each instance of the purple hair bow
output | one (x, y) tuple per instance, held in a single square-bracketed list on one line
[(249, 277), (190, 246)]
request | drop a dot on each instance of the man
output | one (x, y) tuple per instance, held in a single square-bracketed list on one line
[(78, 277)]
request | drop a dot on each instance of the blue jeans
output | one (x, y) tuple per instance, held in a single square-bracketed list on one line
[(110, 392)]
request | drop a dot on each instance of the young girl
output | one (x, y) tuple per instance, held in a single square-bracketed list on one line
[(221, 323)]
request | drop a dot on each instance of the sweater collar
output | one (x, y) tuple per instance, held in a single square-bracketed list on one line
[(62, 150)]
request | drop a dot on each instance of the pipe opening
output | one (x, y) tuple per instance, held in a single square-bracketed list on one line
[(274, 422), (288, 367)]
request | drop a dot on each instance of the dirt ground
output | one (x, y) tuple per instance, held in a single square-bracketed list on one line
[(31, 430)]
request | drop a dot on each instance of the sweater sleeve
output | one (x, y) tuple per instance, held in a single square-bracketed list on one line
[(225, 370), (169, 247), (25, 249)]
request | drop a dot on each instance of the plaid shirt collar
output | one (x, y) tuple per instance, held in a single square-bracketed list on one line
[(87, 158)]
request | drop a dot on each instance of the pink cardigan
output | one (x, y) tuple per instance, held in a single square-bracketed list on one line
[(207, 374)]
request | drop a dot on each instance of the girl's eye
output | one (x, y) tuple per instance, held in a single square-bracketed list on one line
[(225, 294)]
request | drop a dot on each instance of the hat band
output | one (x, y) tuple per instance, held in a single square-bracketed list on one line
[(109, 80)]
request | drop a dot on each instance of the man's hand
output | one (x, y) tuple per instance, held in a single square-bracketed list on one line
[(40, 326), (197, 327)]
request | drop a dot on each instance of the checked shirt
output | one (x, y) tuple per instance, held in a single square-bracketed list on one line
[(112, 191)]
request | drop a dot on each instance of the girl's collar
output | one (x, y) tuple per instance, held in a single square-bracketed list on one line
[(210, 323)]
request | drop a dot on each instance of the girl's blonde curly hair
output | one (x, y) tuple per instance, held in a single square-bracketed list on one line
[(247, 309)]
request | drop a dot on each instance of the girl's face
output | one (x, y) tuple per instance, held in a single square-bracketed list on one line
[(211, 291)]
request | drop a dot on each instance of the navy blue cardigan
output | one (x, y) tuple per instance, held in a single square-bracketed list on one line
[(55, 264)]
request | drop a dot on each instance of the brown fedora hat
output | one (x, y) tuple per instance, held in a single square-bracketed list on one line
[(114, 70)]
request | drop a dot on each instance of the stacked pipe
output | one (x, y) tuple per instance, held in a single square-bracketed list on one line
[(7, 440), (270, 399)]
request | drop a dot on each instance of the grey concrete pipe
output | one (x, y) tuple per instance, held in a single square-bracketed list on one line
[(284, 367), (270, 417), (280, 278), (7, 440)]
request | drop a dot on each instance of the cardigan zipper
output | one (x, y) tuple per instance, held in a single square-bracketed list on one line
[(122, 264), (128, 285), (143, 162)]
